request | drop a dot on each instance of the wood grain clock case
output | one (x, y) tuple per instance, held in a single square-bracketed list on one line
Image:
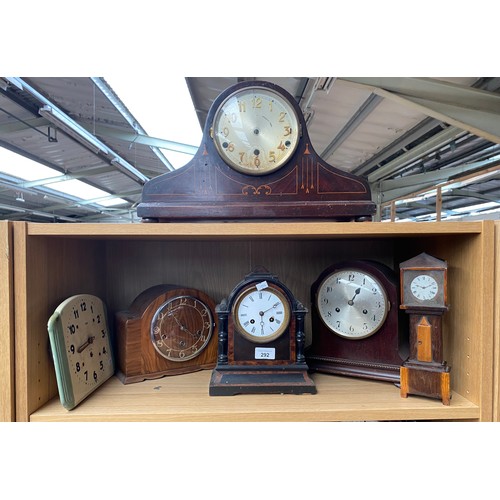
[(186, 342), (256, 161)]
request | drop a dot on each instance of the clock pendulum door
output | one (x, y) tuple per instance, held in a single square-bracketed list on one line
[(425, 373)]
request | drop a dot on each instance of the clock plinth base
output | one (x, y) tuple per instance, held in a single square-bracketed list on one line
[(243, 380), (354, 368), (132, 378), (192, 210), (429, 380)]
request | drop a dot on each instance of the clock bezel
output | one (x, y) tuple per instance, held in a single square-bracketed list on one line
[(433, 294), (409, 300), (202, 346), (252, 288), (347, 269), (218, 116)]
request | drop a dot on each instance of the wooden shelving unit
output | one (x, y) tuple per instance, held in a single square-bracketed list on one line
[(7, 394), (117, 262), (496, 333)]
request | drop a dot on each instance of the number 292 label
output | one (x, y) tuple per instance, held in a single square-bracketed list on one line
[(264, 353)]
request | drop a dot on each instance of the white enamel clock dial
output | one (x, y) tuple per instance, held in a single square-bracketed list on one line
[(352, 303), (424, 287), (261, 314), (256, 130), (81, 347)]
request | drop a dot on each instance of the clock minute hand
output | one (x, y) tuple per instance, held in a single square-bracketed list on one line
[(356, 292), (181, 326), (264, 312)]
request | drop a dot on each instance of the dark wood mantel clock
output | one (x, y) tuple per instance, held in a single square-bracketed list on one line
[(424, 296), (261, 340), (256, 161), (356, 327)]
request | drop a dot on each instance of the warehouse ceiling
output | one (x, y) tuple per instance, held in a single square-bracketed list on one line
[(429, 147)]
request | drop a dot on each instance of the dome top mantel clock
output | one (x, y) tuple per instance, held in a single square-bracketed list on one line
[(256, 161), (261, 340)]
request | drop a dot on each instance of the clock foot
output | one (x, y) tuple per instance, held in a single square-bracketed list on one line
[(426, 382)]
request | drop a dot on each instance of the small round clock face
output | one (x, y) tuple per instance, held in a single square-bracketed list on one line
[(261, 315), (181, 328), (87, 341), (352, 303), (424, 287), (256, 130)]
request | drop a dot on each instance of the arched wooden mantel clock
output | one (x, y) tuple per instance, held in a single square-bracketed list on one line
[(261, 340), (356, 322), (256, 161)]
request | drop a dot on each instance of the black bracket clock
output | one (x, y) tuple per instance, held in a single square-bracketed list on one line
[(256, 161), (261, 340)]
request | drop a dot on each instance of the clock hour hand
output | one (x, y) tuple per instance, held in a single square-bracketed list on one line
[(356, 292), (84, 346), (181, 326)]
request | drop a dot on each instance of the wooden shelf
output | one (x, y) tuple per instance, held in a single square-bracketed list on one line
[(254, 230), (185, 398), (118, 261)]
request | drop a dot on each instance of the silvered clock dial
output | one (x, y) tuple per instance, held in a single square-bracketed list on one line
[(352, 303), (256, 130)]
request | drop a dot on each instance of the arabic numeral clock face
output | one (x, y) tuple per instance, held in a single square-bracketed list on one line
[(352, 303), (256, 130), (181, 328), (81, 347), (261, 315)]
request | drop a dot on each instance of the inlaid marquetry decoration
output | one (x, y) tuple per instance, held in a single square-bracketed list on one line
[(256, 161)]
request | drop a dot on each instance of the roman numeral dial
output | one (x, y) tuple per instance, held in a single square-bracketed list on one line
[(261, 315)]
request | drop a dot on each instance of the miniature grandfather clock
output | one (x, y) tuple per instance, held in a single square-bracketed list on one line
[(424, 297)]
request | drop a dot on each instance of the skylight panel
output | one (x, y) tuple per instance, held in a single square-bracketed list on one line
[(19, 166), (86, 192), (28, 170)]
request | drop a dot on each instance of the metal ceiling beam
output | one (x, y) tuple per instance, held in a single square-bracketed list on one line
[(18, 125), (145, 140), (77, 132), (474, 110), (110, 94), (364, 110), (435, 142), (21, 212), (394, 189), (399, 144), (449, 185), (436, 176), (467, 193)]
